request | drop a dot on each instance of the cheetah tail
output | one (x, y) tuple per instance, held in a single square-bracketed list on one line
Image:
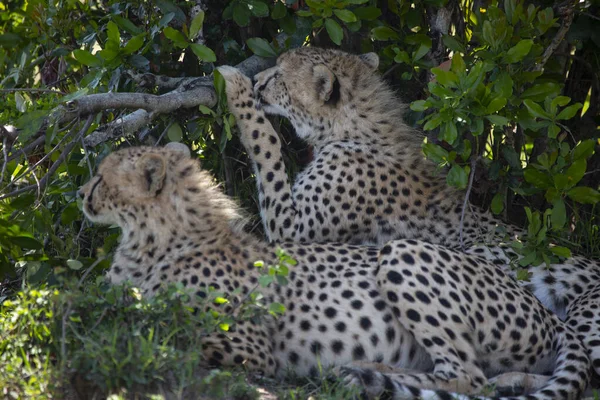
[(569, 380)]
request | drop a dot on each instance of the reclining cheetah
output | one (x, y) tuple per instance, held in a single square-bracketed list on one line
[(436, 319), (368, 182)]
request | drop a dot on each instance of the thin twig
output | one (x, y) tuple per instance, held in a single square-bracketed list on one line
[(5, 153), (44, 181), (32, 90), (466, 201), (163, 133), (43, 159)]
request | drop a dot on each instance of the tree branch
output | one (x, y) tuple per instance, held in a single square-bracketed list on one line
[(566, 11)]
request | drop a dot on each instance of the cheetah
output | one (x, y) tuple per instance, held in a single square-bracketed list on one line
[(411, 319), (369, 182)]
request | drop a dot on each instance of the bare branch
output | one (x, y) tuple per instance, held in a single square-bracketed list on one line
[(160, 104), (120, 127), (150, 81), (566, 11), (190, 92)]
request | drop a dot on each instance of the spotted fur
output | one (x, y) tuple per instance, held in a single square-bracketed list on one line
[(369, 182), (432, 320)]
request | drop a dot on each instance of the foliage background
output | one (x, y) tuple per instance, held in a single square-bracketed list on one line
[(508, 94)]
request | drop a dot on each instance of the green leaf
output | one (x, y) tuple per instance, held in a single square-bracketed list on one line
[(497, 120), (528, 259), (384, 33), (519, 51), (241, 14), (558, 218), (541, 91), (113, 34), (304, 13), (86, 58), (75, 265), (265, 280), (224, 327), (584, 195), (345, 15), (203, 53), (402, 57), (367, 13), (126, 25), (134, 44), (446, 78), (569, 112), (457, 176), (496, 105), (177, 37), (258, 8), (261, 47), (523, 274), (221, 300), (419, 105), (435, 152), (537, 178), (432, 123), (535, 109), (503, 85), (334, 30), (279, 11), (498, 203), (553, 131), (196, 25), (276, 308), (488, 33), (560, 101), (561, 251), (20, 102), (205, 110), (26, 242), (458, 65), (420, 52), (576, 171), (584, 149), (510, 155), (448, 132), (453, 44), (174, 133)]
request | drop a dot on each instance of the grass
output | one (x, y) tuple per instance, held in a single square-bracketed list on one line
[(89, 340)]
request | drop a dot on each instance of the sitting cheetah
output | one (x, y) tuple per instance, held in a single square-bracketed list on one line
[(410, 319), (369, 182)]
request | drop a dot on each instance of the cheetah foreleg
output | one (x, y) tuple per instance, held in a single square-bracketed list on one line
[(264, 148)]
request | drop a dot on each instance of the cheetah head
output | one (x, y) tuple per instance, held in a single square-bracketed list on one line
[(129, 180), (310, 86)]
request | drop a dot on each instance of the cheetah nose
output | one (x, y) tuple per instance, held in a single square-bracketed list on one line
[(80, 194)]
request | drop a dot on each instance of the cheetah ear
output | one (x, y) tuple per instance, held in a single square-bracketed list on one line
[(325, 81), (154, 170), (180, 147), (371, 59)]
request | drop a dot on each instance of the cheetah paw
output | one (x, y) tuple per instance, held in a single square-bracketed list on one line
[(361, 380), (238, 86)]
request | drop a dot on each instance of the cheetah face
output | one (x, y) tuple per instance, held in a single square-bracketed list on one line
[(127, 181), (308, 86)]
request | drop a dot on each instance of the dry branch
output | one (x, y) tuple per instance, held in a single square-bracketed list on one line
[(190, 92)]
